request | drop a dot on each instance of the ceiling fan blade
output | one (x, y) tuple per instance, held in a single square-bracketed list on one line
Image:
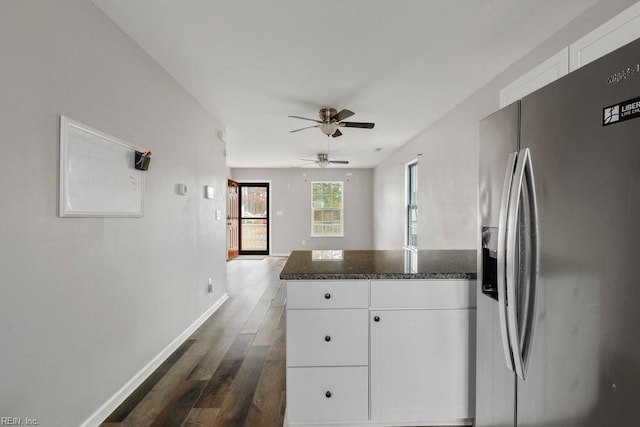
[(358, 125), (343, 114), (340, 162), (308, 127), (337, 133), (305, 118)]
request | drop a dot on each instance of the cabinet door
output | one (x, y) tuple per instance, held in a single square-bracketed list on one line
[(613, 34), (547, 72), (422, 365)]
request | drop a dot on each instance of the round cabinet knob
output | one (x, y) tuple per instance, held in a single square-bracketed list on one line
[(327, 296), (327, 338), (376, 318), (327, 394)]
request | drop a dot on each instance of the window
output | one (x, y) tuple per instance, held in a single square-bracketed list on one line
[(327, 209), (412, 205)]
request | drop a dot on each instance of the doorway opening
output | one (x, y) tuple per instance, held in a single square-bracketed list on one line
[(254, 218)]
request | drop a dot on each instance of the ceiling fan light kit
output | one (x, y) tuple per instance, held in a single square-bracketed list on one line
[(323, 160), (329, 128)]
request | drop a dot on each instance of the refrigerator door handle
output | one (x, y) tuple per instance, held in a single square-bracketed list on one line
[(520, 334), (502, 259)]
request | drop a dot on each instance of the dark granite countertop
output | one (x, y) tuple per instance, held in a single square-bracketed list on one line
[(394, 264)]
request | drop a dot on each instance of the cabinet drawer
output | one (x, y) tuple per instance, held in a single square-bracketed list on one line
[(327, 337), (328, 294), (327, 394), (423, 294)]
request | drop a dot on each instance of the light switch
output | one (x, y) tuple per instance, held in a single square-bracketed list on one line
[(218, 215), (209, 192)]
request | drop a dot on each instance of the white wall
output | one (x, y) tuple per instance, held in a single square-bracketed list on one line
[(85, 303), (448, 172), (291, 194)]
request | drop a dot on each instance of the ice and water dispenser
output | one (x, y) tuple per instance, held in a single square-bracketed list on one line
[(490, 262)]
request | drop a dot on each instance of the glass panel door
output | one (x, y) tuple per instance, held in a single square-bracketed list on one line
[(254, 218)]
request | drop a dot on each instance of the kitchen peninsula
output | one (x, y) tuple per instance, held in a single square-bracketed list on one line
[(380, 337)]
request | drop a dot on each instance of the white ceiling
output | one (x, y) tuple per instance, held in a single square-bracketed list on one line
[(401, 64)]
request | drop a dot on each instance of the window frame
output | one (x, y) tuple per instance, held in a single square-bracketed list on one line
[(314, 209), (408, 205)]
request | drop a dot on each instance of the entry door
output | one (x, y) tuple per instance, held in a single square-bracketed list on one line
[(254, 218), (233, 231)]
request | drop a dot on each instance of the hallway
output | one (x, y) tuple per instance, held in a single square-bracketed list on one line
[(231, 371)]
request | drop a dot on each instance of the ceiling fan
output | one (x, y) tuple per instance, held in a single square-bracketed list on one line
[(323, 160), (331, 121)]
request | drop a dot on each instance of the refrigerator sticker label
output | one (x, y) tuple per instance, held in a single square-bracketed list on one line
[(620, 112)]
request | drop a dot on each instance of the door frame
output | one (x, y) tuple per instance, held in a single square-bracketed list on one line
[(256, 183), (234, 183)]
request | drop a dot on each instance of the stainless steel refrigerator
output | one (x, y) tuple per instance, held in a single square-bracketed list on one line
[(558, 339)]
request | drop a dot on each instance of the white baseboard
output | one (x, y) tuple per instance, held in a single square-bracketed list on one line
[(280, 254), (114, 401), (461, 422)]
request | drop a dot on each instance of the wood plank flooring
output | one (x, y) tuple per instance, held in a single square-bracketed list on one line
[(231, 371)]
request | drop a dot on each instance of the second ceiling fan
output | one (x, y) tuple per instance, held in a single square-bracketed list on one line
[(331, 121), (323, 160)]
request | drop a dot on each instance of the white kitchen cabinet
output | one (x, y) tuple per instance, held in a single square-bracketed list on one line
[(613, 34), (422, 351), (549, 71), (422, 364), (327, 351), (413, 366)]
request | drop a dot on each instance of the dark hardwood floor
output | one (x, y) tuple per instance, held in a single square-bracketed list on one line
[(231, 371)]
